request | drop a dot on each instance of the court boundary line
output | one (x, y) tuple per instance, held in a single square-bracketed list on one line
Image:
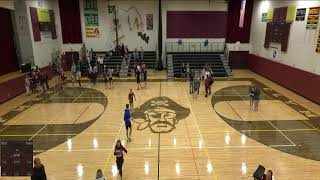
[(50, 120), (166, 148), (106, 164), (185, 123), (14, 122), (199, 131), (267, 120)]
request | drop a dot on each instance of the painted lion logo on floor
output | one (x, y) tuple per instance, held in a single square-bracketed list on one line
[(160, 115)]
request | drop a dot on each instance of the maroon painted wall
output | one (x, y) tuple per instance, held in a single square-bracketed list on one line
[(14, 87), (238, 59), (35, 24), (70, 21), (11, 88), (196, 24), (234, 32), (8, 58), (303, 83)]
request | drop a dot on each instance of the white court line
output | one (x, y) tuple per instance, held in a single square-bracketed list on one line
[(47, 122), (78, 96), (166, 148), (312, 126), (195, 120), (268, 121)]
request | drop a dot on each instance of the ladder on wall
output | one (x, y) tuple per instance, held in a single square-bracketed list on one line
[(125, 67), (170, 66), (226, 65)]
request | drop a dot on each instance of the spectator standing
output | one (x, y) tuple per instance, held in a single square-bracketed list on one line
[(117, 71), (145, 78), (78, 77), (207, 86), (27, 84), (197, 81), (203, 74), (191, 82), (251, 94), (99, 175), (73, 72), (210, 78), (256, 97), (187, 69), (110, 71), (46, 79), (141, 54), (135, 56), (183, 72), (138, 76), (122, 50), (38, 171)]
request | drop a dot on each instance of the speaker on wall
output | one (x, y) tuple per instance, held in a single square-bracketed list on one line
[(258, 174)]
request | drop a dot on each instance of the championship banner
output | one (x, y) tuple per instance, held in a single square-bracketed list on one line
[(92, 32), (43, 15), (264, 17), (313, 18), (301, 13), (91, 19)]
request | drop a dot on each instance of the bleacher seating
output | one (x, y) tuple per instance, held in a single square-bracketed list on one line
[(197, 61), (149, 59)]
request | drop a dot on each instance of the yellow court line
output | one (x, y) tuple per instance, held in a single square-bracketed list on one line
[(15, 121), (48, 134), (106, 164), (206, 150), (186, 125), (258, 130), (4, 128), (60, 97), (312, 126), (167, 148)]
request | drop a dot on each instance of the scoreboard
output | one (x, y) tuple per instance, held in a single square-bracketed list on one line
[(16, 158)]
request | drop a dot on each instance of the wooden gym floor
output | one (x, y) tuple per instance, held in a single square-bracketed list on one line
[(175, 136)]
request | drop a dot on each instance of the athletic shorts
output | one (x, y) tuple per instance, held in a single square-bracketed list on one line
[(128, 125), (110, 78)]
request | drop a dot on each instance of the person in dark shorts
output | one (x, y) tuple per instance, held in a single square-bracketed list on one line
[(130, 98), (109, 74), (251, 94), (105, 74), (38, 171), (127, 121), (145, 78), (256, 97), (138, 73), (118, 152)]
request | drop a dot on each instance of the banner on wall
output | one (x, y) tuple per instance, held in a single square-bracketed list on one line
[(313, 18), (149, 18), (91, 19), (92, 32), (43, 15), (264, 17), (301, 14)]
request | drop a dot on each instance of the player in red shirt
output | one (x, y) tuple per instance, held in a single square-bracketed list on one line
[(130, 98)]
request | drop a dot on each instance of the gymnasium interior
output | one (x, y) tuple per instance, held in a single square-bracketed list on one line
[(218, 89)]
